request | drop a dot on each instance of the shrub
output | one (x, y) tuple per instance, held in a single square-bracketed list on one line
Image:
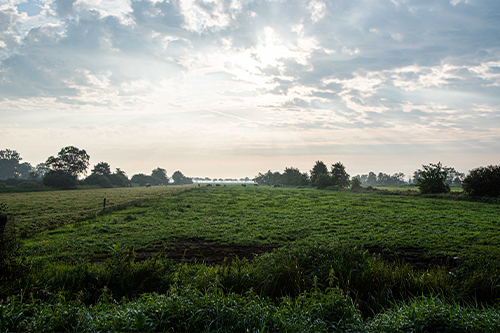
[(60, 179), (98, 180), (433, 179), (323, 181), (355, 184), (483, 181)]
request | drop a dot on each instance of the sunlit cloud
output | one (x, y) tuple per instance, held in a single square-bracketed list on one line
[(215, 78)]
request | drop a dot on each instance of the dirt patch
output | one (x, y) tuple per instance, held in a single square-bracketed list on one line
[(201, 250), (417, 257)]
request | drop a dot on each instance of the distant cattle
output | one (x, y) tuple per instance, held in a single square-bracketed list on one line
[(209, 185), (244, 185), (217, 185), (148, 185)]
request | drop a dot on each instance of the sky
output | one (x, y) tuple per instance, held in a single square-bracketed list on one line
[(230, 88)]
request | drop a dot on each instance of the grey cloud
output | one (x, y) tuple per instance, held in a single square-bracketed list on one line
[(64, 7)]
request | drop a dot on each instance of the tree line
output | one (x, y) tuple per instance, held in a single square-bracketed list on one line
[(63, 171), (432, 179)]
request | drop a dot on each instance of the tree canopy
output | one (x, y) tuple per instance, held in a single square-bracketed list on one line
[(70, 160), (102, 168), (160, 174), (9, 162), (318, 169), (433, 179)]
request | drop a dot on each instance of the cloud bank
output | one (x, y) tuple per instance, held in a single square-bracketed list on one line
[(255, 79)]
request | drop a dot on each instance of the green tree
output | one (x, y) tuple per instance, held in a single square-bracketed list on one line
[(70, 160), (102, 168), (119, 178), (433, 179), (23, 170), (60, 179), (293, 177), (9, 161), (340, 178), (356, 183), (483, 181), (180, 179), (141, 179), (160, 174), (372, 179), (39, 171), (318, 169), (98, 180)]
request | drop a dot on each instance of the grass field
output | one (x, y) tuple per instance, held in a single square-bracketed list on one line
[(279, 217), (35, 211), (325, 261)]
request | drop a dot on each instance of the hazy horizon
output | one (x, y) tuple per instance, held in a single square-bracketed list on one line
[(228, 89)]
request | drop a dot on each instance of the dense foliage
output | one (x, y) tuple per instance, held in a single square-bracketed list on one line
[(433, 179), (70, 160), (483, 181), (60, 180)]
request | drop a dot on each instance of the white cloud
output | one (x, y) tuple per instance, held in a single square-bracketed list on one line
[(265, 71)]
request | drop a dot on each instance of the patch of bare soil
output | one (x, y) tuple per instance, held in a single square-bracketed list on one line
[(201, 250), (417, 257)]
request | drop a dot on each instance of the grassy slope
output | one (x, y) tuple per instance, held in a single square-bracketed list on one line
[(35, 211), (283, 216)]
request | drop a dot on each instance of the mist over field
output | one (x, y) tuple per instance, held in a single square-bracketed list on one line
[(233, 88)]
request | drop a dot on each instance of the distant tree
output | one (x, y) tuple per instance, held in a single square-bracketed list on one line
[(355, 183), (293, 177), (70, 160), (318, 169), (454, 177), (102, 168), (483, 181), (160, 174), (120, 172), (60, 179), (433, 179), (39, 171), (371, 179), (340, 178), (269, 178), (180, 179), (9, 161), (141, 179), (96, 179), (323, 181), (119, 178), (24, 170)]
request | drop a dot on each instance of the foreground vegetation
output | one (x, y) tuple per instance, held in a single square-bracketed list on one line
[(343, 262)]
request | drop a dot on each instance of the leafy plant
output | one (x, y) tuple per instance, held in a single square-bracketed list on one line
[(433, 179), (483, 181)]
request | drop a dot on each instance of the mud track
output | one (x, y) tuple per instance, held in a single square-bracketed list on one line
[(200, 250)]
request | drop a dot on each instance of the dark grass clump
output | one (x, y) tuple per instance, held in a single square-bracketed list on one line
[(186, 310), (372, 283), (120, 275), (431, 314)]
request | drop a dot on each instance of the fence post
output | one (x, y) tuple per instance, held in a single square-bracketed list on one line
[(104, 204)]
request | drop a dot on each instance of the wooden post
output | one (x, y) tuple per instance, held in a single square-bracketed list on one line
[(104, 204)]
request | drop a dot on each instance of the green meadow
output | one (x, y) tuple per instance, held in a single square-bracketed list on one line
[(257, 259)]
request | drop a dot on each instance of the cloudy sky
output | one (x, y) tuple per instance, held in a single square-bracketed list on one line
[(228, 88)]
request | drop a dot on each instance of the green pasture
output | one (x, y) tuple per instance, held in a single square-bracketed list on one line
[(83, 276), (282, 217), (35, 211)]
